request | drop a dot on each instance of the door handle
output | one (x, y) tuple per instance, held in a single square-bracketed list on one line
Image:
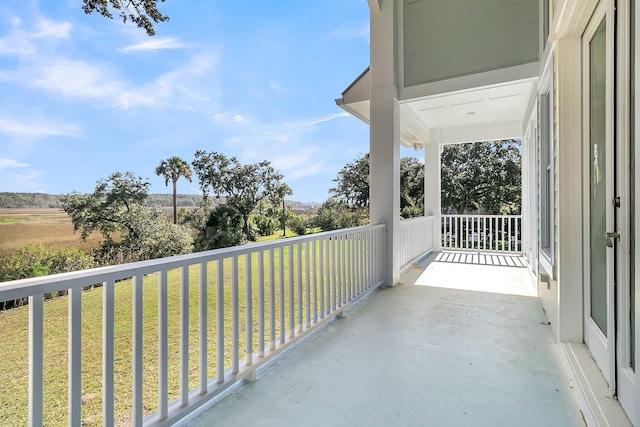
[(610, 237)]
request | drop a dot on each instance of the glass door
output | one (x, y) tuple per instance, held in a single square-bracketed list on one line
[(601, 232)]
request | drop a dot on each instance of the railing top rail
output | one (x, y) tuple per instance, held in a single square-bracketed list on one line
[(417, 218), (39, 285), (481, 215)]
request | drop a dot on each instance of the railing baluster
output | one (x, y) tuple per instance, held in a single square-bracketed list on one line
[(292, 327), (261, 296), (299, 287), (137, 409), (163, 345), (315, 280), (352, 266), (75, 356), (235, 318), (36, 360), (202, 327), (108, 338), (272, 303), (307, 274), (184, 336), (322, 276), (281, 284), (332, 272), (340, 280), (220, 321), (248, 308)]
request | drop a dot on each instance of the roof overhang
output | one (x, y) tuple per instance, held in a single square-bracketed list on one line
[(489, 112)]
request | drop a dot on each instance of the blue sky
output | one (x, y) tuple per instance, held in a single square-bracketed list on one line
[(83, 96)]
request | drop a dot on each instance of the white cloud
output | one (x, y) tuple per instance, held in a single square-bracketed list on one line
[(154, 44), (29, 181), (36, 128), (52, 29), (19, 42), (276, 87), (179, 87), (71, 78), (288, 144), (6, 163)]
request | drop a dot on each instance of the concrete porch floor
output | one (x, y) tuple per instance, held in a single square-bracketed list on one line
[(454, 344)]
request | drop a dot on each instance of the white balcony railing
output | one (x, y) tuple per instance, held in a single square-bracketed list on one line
[(416, 238), (257, 298), (491, 233)]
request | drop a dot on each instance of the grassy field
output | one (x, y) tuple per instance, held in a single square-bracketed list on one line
[(53, 229), (50, 227)]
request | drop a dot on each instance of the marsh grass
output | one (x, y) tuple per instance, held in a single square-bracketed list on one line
[(50, 227)]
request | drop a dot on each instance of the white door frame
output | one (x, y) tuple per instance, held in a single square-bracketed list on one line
[(625, 375), (602, 347)]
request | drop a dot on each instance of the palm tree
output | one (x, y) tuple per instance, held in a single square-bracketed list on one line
[(172, 169), (280, 192)]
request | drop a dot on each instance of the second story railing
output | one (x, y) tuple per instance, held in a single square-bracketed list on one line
[(491, 233), (177, 331)]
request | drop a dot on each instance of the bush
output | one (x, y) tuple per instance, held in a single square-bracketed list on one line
[(297, 224), (335, 215), (265, 225), (411, 211), (224, 228), (150, 234), (36, 260)]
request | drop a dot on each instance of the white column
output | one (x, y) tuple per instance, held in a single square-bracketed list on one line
[(384, 157), (569, 190), (432, 188)]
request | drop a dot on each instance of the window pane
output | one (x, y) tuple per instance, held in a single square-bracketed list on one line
[(597, 139)]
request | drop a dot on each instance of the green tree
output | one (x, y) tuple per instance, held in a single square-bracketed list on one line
[(105, 209), (411, 187), (242, 186), (223, 228), (131, 230), (482, 174), (279, 194), (143, 13), (353, 186), (335, 214), (172, 169)]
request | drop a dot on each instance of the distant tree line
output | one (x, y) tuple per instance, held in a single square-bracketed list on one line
[(9, 200)]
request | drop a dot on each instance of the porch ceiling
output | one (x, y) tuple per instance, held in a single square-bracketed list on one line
[(481, 113)]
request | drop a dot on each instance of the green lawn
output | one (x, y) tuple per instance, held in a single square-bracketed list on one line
[(14, 352)]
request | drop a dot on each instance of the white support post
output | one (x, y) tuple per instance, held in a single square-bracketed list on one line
[(384, 158), (569, 190), (432, 190)]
